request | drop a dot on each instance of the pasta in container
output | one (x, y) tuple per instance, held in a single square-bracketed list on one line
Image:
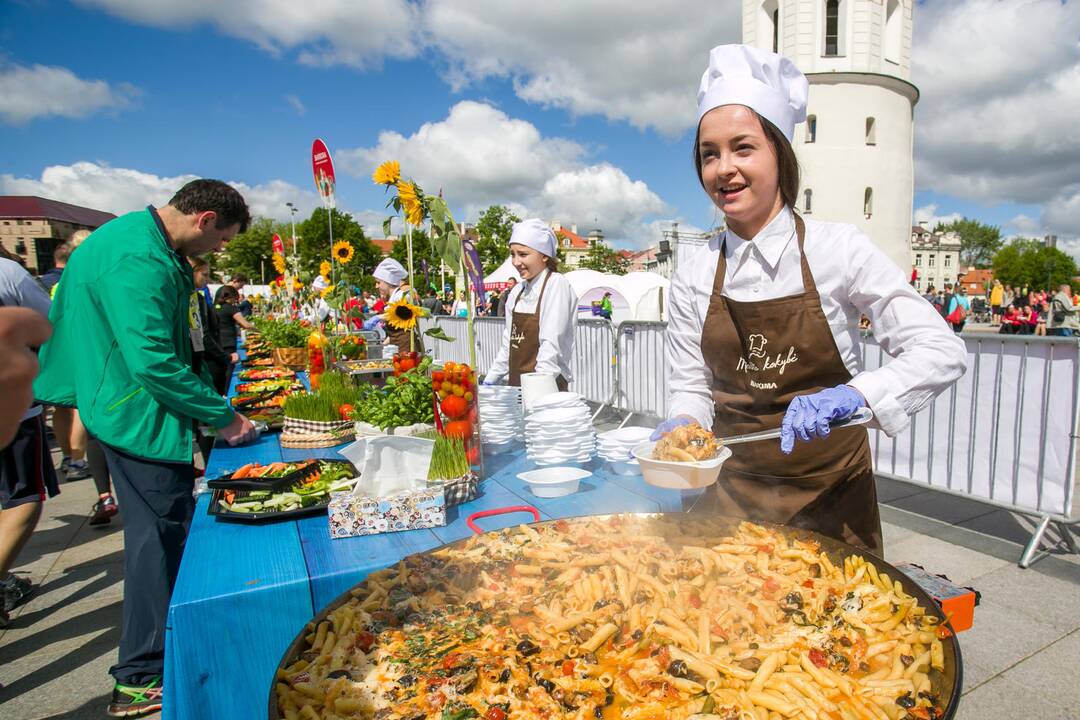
[(636, 617)]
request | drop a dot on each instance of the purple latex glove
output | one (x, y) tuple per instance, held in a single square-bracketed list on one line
[(373, 323), (667, 426), (808, 416)]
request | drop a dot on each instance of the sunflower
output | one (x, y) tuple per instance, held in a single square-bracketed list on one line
[(410, 202), (279, 263), (326, 291), (388, 173), (324, 268), (343, 251), (297, 285), (402, 315)]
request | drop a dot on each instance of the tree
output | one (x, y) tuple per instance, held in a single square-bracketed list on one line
[(605, 259), (250, 253), (1029, 262), (315, 247), (978, 241), (494, 228)]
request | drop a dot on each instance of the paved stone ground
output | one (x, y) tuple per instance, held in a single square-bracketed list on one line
[(1020, 659)]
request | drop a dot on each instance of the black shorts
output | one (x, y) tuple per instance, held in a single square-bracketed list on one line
[(26, 469)]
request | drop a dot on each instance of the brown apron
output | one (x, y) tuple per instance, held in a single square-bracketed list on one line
[(401, 337), (525, 341), (761, 355)]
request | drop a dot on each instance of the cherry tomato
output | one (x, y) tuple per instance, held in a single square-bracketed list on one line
[(818, 657), (568, 667), (495, 713)]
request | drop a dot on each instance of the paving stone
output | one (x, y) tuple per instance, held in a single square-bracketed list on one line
[(1002, 637), (892, 534), (974, 673), (890, 490), (1002, 699), (73, 683), (1048, 673), (45, 630), (947, 508), (1047, 599), (939, 557)]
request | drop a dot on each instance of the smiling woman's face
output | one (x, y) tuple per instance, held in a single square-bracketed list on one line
[(739, 168), (528, 262)]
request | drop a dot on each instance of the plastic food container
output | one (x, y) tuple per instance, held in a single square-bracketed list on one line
[(554, 481), (679, 475)]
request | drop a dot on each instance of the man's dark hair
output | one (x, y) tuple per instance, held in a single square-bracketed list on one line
[(787, 166), (213, 195), (239, 278), (62, 252), (227, 294)]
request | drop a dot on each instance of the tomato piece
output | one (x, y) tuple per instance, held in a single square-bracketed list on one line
[(451, 660), (770, 588), (364, 640), (944, 632), (695, 600), (808, 584), (562, 526), (568, 667), (495, 713), (818, 657)]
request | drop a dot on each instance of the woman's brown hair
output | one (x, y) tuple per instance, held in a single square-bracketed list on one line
[(551, 263), (787, 165)]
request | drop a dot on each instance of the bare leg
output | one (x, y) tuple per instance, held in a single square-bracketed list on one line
[(78, 437), (62, 421), (16, 526)]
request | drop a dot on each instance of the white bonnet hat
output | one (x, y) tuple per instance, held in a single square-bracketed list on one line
[(390, 271), (536, 234), (767, 83)]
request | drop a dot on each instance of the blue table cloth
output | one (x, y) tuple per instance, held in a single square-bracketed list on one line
[(246, 590)]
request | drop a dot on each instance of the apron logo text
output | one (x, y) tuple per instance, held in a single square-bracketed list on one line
[(780, 362), (763, 386)]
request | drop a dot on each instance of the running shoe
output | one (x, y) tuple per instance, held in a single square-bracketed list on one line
[(14, 590), (135, 700), (104, 509), (77, 470), (65, 462)]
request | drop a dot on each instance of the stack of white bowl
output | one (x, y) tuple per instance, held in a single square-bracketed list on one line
[(500, 416), (559, 430), (616, 447)]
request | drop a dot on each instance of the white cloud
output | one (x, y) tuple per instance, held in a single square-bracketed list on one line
[(633, 61), (121, 190), (295, 103), (928, 214), (1000, 84), (481, 157), (323, 32), (36, 91), (1025, 225)]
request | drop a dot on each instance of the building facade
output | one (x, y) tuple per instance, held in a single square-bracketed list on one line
[(574, 247), (935, 258), (855, 148), (31, 227)]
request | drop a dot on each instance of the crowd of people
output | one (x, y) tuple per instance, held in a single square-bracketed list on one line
[(1014, 311)]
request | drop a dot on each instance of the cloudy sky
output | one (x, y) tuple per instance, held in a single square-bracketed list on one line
[(575, 110)]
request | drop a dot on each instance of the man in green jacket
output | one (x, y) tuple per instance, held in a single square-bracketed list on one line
[(121, 353)]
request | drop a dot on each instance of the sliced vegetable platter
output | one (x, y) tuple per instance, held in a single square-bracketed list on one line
[(308, 494)]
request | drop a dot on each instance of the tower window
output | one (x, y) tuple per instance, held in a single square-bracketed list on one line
[(808, 197), (811, 128), (868, 202), (871, 134), (832, 28), (894, 31)]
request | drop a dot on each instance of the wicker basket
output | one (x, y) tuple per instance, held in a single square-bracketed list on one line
[(295, 358), (313, 440)]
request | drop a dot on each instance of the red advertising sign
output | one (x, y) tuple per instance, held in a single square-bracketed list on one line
[(279, 247), (323, 168)]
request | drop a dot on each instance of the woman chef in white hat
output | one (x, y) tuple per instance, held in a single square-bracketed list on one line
[(540, 311), (390, 277), (763, 327)]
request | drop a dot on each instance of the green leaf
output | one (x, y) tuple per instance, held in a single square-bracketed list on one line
[(386, 226), (438, 334)]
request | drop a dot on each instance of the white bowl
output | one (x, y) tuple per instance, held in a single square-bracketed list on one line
[(558, 399), (625, 467), (554, 481), (625, 435), (679, 475)]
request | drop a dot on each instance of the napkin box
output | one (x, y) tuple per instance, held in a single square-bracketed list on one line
[(352, 515)]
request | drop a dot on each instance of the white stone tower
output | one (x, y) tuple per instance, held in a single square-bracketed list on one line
[(856, 147)]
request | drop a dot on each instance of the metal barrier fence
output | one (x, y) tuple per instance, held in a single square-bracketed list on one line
[(1004, 434)]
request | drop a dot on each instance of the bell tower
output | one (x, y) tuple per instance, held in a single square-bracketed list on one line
[(855, 148)]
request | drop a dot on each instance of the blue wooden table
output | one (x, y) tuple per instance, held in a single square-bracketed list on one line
[(246, 590)]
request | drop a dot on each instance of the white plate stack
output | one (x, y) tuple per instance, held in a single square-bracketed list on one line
[(616, 447), (500, 416), (559, 430)]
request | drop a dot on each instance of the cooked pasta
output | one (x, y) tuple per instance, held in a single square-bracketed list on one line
[(667, 618)]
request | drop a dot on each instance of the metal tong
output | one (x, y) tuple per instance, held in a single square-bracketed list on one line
[(859, 417)]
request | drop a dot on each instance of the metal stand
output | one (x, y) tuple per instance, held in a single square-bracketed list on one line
[(1031, 550)]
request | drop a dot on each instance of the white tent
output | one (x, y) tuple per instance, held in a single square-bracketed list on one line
[(646, 293), (501, 274), (637, 296)]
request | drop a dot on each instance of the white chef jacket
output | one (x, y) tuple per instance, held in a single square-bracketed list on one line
[(853, 277), (557, 318)]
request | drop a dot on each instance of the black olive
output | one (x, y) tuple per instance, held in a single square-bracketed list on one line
[(753, 646), (598, 712), (602, 602), (640, 597), (589, 658), (406, 681), (864, 667), (815, 570), (906, 701), (335, 674), (504, 676), (527, 647), (792, 601), (751, 663), (678, 669), (474, 606), (907, 660), (844, 641), (544, 682), (637, 634), (310, 656), (609, 697)]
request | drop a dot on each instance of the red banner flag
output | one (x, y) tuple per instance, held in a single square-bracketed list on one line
[(323, 168), (279, 247)]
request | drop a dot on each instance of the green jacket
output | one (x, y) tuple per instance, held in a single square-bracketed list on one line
[(121, 345)]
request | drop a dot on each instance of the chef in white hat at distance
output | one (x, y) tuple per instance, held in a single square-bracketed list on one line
[(540, 311), (390, 282), (763, 328)]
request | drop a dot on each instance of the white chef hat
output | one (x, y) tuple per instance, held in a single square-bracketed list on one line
[(765, 82), (390, 271), (536, 234)]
